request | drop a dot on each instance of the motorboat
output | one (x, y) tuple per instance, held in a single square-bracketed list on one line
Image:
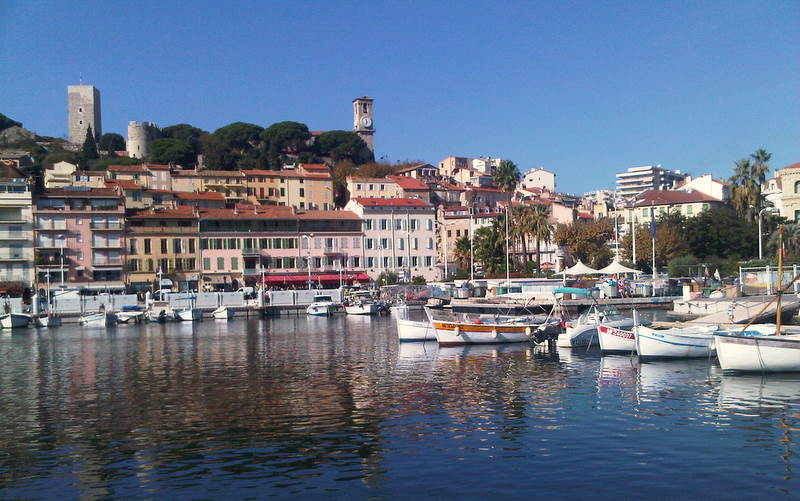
[(616, 340), (413, 330), (492, 329), (323, 306), (130, 312), (361, 303), (99, 319), (15, 320), (690, 341), (583, 330), (161, 315), (222, 313), (757, 349), (48, 320), (188, 314)]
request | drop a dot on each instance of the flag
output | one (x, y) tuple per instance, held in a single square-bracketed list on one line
[(653, 222)]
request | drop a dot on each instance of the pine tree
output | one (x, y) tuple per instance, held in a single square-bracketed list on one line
[(90, 146)]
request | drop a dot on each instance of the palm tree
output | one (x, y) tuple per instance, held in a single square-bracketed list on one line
[(507, 175), (540, 228), (518, 229), (748, 177), (462, 252)]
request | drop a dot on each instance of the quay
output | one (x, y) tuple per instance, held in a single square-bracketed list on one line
[(513, 306)]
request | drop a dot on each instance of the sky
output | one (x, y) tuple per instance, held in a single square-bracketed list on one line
[(582, 88)]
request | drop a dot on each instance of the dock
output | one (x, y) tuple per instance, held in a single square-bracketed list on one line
[(511, 306)]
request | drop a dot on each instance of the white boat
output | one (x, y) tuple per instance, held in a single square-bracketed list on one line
[(99, 319), (188, 314), (491, 329), (412, 330), (362, 308), (582, 331), (323, 306), (125, 317), (222, 313), (615, 339), (758, 350), (679, 342), (48, 321), (161, 315), (15, 320)]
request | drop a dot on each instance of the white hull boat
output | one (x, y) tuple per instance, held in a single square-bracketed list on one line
[(616, 340), (15, 320), (48, 321), (125, 317), (493, 330), (222, 313), (758, 352), (362, 309), (100, 319), (583, 331), (161, 315), (188, 315), (412, 330), (680, 342)]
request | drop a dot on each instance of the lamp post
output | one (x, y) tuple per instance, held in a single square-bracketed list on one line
[(471, 252), (61, 248), (308, 257), (760, 234)]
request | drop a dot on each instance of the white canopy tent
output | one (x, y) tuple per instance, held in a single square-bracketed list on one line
[(579, 269), (615, 267)]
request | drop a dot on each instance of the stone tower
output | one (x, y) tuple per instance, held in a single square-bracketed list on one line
[(362, 120), (139, 134), (83, 110)]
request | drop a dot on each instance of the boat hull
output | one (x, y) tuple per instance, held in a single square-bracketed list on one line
[(222, 313), (582, 335), (189, 315), (362, 309), (14, 320), (126, 316), (457, 333), (616, 340), (758, 353), (51, 321), (412, 330), (673, 343), (98, 320)]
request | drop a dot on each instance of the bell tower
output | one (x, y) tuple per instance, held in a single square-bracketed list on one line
[(362, 120)]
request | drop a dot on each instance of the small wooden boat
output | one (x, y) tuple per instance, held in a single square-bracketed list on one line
[(15, 320), (679, 342), (616, 340), (412, 330), (99, 319), (222, 313), (48, 321), (757, 349), (493, 329), (188, 314)]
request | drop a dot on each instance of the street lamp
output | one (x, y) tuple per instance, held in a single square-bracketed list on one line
[(61, 248), (308, 257), (772, 210)]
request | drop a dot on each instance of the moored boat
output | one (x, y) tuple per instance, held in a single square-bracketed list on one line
[(48, 321), (754, 352), (188, 314), (490, 329), (99, 319), (582, 331), (222, 313), (323, 306), (678, 342), (412, 330), (15, 320), (615, 339)]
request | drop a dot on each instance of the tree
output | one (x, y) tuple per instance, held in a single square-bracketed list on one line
[(489, 246), (343, 145), (387, 278), (6, 122), (671, 242), (535, 222), (89, 150), (721, 232), (111, 141), (238, 136), (184, 132), (746, 182), (167, 150), (461, 252), (507, 175), (587, 241), (418, 280), (215, 154), (287, 137)]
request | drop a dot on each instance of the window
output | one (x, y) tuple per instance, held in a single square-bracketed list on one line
[(797, 187), (302, 192), (414, 224), (192, 246), (458, 232), (132, 246), (220, 263), (400, 261), (429, 224), (234, 263), (450, 233), (385, 243), (368, 243), (384, 224), (163, 245), (302, 204), (356, 243), (317, 262), (356, 261), (288, 262), (414, 244), (343, 243), (401, 244), (429, 244), (370, 262), (207, 263), (317, 243), (177, 246), (367, 224), (147, 249), (371, 187), (385, 262), (414, 261), (428, 261), (398, 224), (382, 187), (358, 187), (689, 210), (283, 190)]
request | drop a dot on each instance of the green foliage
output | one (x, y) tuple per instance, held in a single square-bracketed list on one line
[(89, 150), (670, 242), (167, 150), (682, 266), (507, 175), (184, 132), (748, 177), (111, 141), (531, 221), (489, 247), (104, 163), (387, 278), (587, 241), (461, 252), (722, 232), (418, 280), (287, 137), (343, 145), (238, 135), (6, 122)]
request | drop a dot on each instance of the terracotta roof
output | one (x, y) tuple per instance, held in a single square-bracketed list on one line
[(127, 168), (391, 202), (125, 184), (793, 166), (254, 212), (538, 169), (669, 197), (585, 215), (477, 188), (205, 195), (220, 173), (185, 173), (409, 183), (417, 166), (369, 179), (152, 190), (174, 213), (157, 167), (327, 214), (92, 173), (286, 174), (315, 167), (81, 193), (122, 153)]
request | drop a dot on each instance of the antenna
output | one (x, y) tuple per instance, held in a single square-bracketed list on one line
[(80, 77)]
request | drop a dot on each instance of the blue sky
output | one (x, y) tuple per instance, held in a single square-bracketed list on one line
[(585, 89)]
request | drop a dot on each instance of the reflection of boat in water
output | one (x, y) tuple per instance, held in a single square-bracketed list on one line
[(758, 393), (616, 368), (417, 357), (657, 375), (480, 350)]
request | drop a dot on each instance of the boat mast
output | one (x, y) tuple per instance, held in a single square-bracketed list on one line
[(780, 277)]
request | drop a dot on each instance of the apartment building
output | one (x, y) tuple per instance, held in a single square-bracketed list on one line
[(305, 186), (16, 226), (648, 177)]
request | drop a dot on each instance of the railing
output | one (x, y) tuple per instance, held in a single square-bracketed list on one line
[(250, 251), (7, 256), (183, 230), (52, 227), (103, 225), (107, 262), (106, 245), (16, 235)]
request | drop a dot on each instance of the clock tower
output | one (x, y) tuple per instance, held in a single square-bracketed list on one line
[(362, 120)]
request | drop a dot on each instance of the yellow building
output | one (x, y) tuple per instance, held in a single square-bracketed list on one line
[(310, 186)]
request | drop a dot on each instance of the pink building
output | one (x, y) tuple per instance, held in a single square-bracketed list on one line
[(84, 226)]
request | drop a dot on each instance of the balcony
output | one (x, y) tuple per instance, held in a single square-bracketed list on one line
[(163, 230), (15, 235), (55, 227), (251, 252), (105, 225), (13, 256), (107, 262), (15, 221), (107, 245)]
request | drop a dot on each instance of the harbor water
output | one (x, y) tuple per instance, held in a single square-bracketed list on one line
[(337, 409)]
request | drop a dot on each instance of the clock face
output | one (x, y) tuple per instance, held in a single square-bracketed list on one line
[(366, 122)]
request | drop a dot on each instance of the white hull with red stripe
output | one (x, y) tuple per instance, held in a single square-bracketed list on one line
[(616, 340)]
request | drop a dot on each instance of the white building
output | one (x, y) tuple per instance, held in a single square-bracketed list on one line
[(16, 227), (706, 184), (60, 175), (648, 177), (539, 178), (399, 236)]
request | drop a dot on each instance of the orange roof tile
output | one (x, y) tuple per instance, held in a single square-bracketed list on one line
[(669, 197), (391, 202), (409, 183), (127, 168), (205, 195), (172, 213)]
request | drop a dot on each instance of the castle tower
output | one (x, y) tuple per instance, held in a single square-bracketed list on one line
[(139, 134), (83, 110), (362, 120)]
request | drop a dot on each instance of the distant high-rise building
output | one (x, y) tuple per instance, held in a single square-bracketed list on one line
[(362, 120), (83, 111), (648, 177)]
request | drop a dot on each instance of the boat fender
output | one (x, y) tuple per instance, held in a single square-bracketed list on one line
[(528, 331), (494, 333), (457, 331)]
